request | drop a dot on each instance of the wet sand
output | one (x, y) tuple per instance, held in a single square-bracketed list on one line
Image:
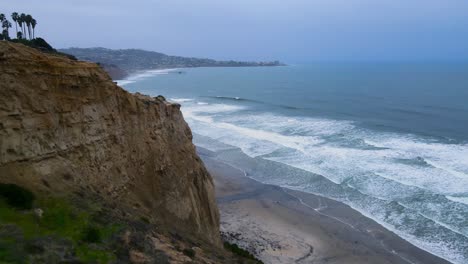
[(285, 226)]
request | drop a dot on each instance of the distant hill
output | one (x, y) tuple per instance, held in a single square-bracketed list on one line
[(120, 63)]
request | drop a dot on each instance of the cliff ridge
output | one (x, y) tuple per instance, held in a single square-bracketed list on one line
[(67, 130)]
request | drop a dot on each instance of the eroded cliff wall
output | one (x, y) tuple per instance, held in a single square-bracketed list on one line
[(67, 129)]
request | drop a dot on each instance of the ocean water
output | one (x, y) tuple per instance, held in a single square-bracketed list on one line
[(388, 139)]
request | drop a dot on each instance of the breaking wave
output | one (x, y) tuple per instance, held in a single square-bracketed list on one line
[(415, 186)]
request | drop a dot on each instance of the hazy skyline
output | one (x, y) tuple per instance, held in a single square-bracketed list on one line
[(291, 31)]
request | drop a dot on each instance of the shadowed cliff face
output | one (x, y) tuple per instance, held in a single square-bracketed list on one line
[(67, 129)]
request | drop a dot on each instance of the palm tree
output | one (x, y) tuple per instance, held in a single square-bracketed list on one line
[(33, 24), (28, 24), (23, 21), (5, 26), (20, 24), (14, 16), (2, 18)]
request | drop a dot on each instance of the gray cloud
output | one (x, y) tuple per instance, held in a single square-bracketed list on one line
[(293, 30)]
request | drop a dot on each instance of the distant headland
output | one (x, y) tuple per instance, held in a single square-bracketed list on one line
[(120, 63)]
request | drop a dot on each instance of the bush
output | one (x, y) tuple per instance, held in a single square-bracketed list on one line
[(16, 196), (145, 219), (189, 252), (240, 252), (64, 223), (90, 255), (92, 235), (38, 43), (42, 45)]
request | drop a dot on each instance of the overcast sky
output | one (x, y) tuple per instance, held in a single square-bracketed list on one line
[(289, 30)]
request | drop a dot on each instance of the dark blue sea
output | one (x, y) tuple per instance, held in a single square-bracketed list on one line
[(388, 139)]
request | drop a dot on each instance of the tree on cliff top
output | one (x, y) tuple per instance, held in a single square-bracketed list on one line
[(26, 23), (15, 17), (5, 26), (33, 24), (22, 19)]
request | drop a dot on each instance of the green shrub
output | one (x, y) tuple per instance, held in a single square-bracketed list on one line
[(90, 255), (92, 235), (41, 44), (240, 252), (38, 43), (16, 196), (189, 252), (145, 219), (61, 220), (9, 252)]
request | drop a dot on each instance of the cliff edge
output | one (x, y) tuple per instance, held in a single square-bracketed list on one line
[(66, 129)]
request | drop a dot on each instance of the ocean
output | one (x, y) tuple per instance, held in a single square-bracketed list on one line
[(388, 139)]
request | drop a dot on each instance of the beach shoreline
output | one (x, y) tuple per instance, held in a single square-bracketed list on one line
[(143, 74), (280, 225)]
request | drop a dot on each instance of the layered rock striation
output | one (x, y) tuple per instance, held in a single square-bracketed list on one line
[(67, 129)]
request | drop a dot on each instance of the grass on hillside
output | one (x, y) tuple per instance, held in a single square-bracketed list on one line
[(234, 248), (18, 227)]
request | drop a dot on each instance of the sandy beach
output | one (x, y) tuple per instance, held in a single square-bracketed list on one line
[(285, 226)]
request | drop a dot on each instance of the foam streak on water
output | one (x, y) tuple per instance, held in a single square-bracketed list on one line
[(415, 186), (143, 75)]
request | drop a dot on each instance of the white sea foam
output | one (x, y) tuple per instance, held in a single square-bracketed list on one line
[(463, 200), (329, 148), (124, 82), (266, 137), (143, 75), (203, 109), (293, 125), (384, 166), (181, 100), (434, 245), (209, 143)]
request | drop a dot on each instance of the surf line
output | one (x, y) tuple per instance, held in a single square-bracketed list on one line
[(283, 189), (295, 197), (318, 209)]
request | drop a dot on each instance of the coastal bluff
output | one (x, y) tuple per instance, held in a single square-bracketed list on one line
[(67, 130)]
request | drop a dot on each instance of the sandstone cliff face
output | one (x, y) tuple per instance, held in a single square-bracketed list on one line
[(67, 129)]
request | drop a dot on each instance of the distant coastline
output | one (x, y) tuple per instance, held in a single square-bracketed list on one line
[(122, 64)]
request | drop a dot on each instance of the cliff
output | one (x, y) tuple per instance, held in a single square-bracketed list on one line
[(67, 130)]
